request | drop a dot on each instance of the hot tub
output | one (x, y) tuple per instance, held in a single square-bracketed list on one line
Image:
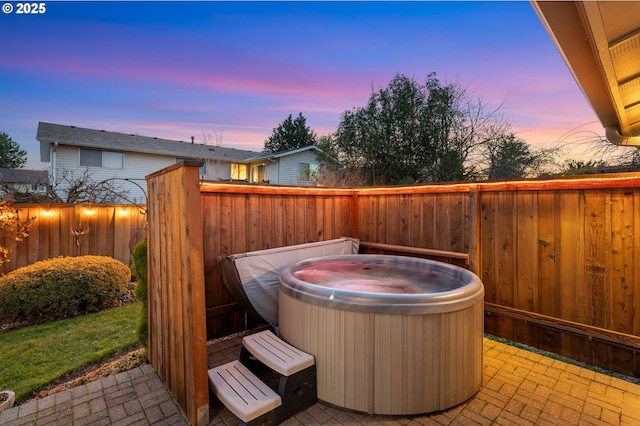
[(391, 335)]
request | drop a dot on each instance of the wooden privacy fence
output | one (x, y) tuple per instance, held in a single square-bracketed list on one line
[(558, 258), (561, 266), (76, 229)]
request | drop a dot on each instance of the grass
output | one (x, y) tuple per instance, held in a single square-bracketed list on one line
[(33, 357)]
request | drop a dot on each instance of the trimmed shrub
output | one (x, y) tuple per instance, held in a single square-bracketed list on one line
[(139, 270), (63, 287)]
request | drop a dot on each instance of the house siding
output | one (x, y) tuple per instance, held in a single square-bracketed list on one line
[(218, 170), (272, 173), (135, 167), (289, 167)]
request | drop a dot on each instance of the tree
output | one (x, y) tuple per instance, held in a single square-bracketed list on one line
[(214, 166), (11, 226), (510, 157), (409, 133), (579, 167), (290, 134), (74, 189), (11, 156)]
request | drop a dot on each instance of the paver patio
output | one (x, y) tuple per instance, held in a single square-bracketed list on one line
[(520, 388)]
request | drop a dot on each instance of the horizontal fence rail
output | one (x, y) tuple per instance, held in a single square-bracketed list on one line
[(74, 230)]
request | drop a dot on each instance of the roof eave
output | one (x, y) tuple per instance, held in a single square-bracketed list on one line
[(578, 31)]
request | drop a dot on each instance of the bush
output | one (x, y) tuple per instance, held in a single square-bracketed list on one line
[(63, 287), (139, 270)]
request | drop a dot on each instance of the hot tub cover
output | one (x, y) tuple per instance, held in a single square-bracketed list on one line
[(253, 277)]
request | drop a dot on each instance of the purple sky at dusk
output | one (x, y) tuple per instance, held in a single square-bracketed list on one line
[(238, 69)]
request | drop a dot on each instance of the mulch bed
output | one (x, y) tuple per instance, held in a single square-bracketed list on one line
[(112, 365)]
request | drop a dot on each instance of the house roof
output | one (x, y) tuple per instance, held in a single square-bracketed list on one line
[(100, 139), (23, 175), (274, 155), (600, 43)]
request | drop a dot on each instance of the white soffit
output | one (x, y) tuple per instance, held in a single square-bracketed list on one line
[(600, 43)]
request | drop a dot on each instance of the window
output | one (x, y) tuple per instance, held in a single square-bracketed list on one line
[(304, 172), (308, 172), (258, 173), (238, 171), (96, 158), (37, 187)]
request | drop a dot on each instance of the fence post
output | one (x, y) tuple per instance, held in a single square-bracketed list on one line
[(176, 294)]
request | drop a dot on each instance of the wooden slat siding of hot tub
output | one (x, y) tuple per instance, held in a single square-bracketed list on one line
[(365, 366), (420, 335), (316, 330), (444, 349), (462, 334), (360, 375)]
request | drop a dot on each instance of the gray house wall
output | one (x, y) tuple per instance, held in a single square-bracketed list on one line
[(135, 167), (289, 167)]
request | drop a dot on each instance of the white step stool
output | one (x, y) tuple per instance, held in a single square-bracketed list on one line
[(252, 401), (242, 392), (277, 354)]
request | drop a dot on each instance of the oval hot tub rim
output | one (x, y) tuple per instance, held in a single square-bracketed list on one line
[(470, 291)]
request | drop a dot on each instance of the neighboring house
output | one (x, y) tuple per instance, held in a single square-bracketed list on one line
[(128, 158), (295, 167), (14, 181)]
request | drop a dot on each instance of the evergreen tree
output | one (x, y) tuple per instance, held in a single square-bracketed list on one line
[(290, 134), (11, 156)]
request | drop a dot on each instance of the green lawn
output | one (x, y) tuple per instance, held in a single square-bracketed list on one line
[(35, 356)]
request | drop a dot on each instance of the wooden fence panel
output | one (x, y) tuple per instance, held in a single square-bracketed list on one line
[(113, 230), (572, 261), (433, 217), (248, 218)]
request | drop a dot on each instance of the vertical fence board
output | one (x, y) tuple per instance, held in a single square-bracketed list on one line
[(597, 297), (569, 267), (546, 228), (391, 225), (311, 230), (635, 277), (525, 262), (457, 223), (442, 221), (622, 313), (505, 258), (487, 272), (429, 220), (416, 225)]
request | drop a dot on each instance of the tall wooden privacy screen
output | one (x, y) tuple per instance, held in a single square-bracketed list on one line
[(557, 258), (175, 292)]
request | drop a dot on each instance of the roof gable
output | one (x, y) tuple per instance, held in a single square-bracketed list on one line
[(276, 155)]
